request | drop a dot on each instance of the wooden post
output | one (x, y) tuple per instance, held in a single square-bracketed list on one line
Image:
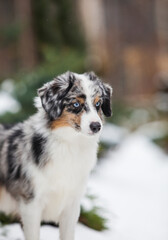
[(92, 16), (162, 34), (27, 53)]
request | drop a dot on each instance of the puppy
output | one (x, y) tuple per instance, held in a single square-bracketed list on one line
[(45, 161)]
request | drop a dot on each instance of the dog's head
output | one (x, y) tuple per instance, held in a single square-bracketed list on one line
[(76, 100)]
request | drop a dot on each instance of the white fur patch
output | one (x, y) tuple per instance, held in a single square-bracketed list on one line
[(63, 180)]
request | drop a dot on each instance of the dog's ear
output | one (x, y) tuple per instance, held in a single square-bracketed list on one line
[(107, 93), (106, 105), (53, 93)]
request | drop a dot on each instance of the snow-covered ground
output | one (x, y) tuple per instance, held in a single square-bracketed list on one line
[(7, 102), (131, 184)]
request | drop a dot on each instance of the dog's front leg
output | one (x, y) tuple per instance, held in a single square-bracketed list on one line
[(31, 219), (68, 221)]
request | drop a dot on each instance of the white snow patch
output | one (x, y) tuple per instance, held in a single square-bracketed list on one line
[(8, 85), (14, 232), (8, 103), (133, 186), (113, 134)]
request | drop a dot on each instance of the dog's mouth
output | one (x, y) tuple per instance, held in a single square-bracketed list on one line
[(93, 134), (94, 128)]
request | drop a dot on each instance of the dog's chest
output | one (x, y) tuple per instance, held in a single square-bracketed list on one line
[(64, 177)]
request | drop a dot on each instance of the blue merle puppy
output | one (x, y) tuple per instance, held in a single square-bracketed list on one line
[(45, 161)]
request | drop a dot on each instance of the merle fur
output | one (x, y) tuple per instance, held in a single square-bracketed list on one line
[(59, 93), (22, 144), (38, 146), (13, 161), (14, 170)]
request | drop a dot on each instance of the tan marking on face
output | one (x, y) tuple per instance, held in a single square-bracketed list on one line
[(60, 122), (80, 100), (67, 119), (97, 99)]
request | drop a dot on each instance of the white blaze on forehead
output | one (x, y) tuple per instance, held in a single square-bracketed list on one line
[(91, 115), (86, 84)]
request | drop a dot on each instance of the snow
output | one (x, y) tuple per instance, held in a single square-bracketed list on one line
[(131, 184), (8, 103), (113, 134), (14, 232), (8, 85)]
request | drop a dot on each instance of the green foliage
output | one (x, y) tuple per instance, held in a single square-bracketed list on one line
[(7, 219), (93, 219), (162, 142), (56, 23), (9, 33)]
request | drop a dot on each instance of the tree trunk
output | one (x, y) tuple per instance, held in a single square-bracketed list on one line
[(27, 54)]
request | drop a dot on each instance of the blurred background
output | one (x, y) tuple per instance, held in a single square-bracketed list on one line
[(126, 43)]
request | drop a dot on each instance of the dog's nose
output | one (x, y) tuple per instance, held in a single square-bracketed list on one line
[(95, 127)]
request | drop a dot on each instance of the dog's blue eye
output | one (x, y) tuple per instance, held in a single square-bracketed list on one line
[(76, 105), (97, 104)]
